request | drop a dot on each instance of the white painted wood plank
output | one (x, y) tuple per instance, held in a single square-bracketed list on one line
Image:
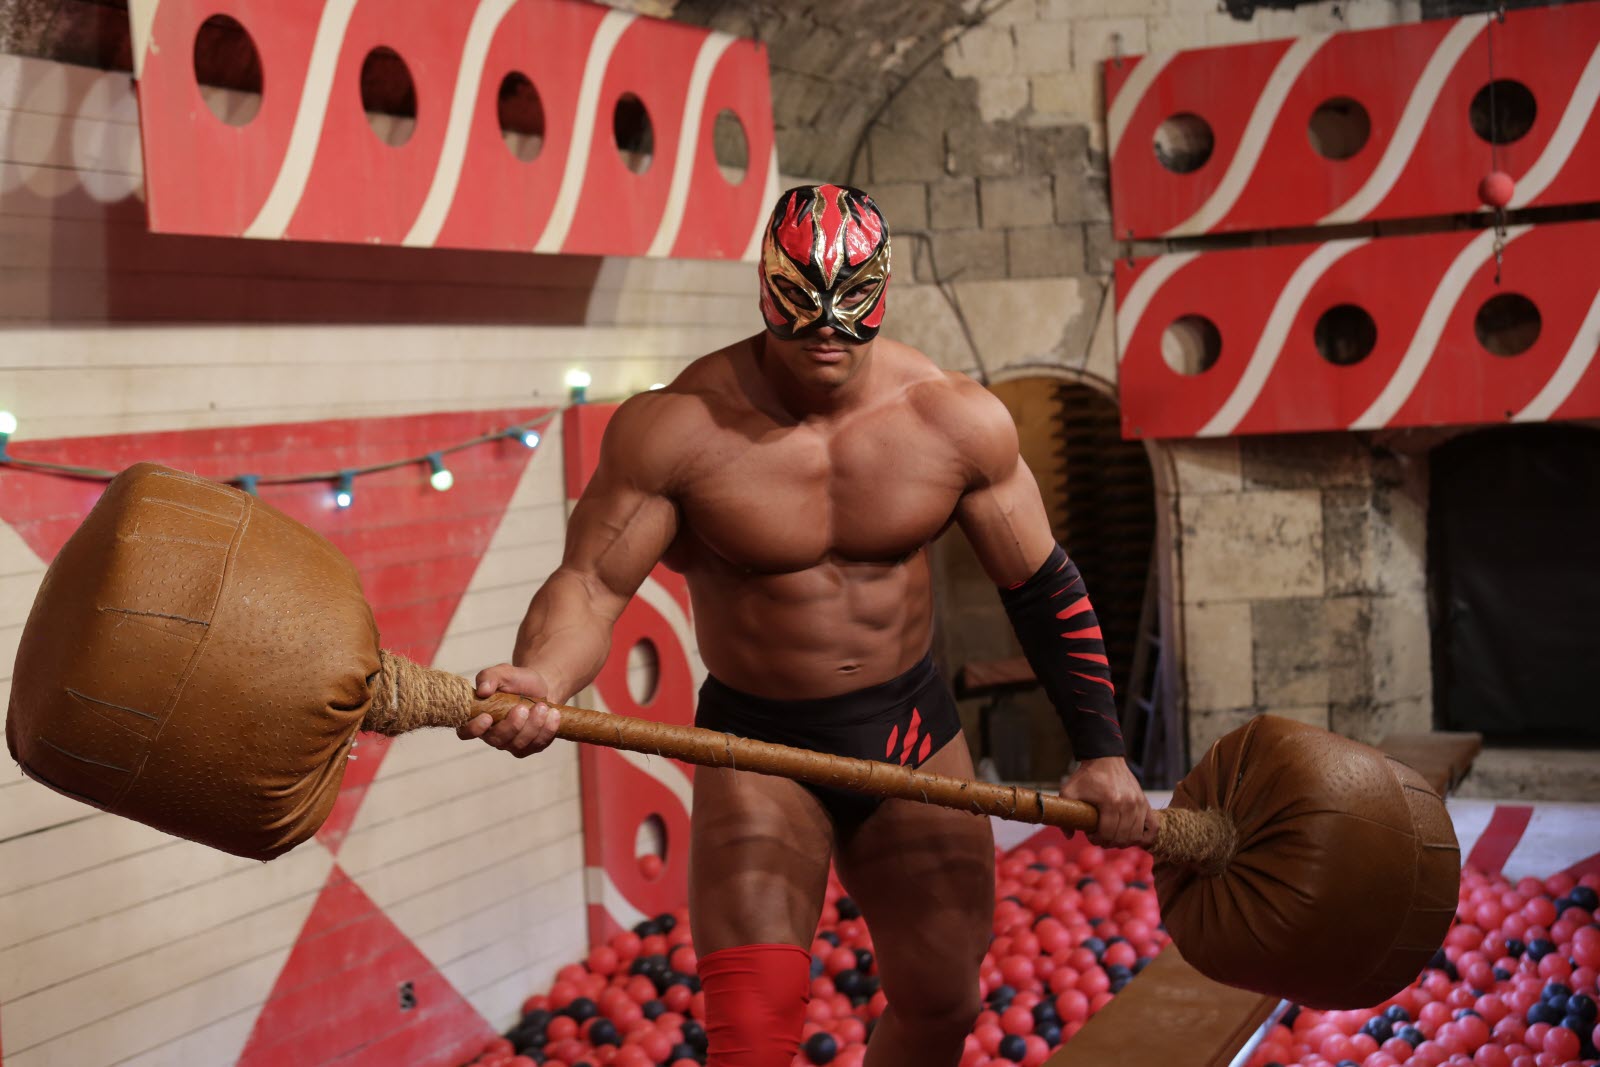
[(373, 845), (220, 1042), (419, 915), (16, 597), (504, 833), (26, 807), (64, 89), (382, 345), (508, 954), (156, 1022), (109, 887), (50, 1013), (45, 857), (467, 771), (561, 896), (82, 144), (147, 924)]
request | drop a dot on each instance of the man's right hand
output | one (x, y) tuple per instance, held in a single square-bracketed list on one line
[(529, 728)]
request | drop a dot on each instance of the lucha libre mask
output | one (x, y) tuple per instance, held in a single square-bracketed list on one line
[(824, 262)]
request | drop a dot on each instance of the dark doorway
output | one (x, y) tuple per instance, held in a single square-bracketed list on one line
[(1514, 562)]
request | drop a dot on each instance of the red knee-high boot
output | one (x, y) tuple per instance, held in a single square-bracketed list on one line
[(756, 999)]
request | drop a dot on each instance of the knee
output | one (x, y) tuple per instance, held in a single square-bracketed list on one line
[(939, 1007)]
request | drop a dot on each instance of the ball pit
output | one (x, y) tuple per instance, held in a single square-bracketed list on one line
[(1072, 926), (1513, 986)]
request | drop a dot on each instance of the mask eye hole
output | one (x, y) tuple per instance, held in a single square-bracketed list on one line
[(856, 296), (794, 294)]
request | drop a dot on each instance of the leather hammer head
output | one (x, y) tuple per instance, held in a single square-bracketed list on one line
[(195, 660), (1346, 876)]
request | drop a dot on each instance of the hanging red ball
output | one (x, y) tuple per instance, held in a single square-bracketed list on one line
[(1496, 189)]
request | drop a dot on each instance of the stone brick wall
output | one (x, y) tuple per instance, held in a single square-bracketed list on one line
[(1301, 584)]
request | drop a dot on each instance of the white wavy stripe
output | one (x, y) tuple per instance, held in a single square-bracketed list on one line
[(661, 768), (657, 596), (1426, 338), (1270, 345), (605, 40), (141, 16), (770, 196), (1133, 90), (295, 168), (1418, 106), (469, 74), (1262, 118), (1571, 370), (601, 890), (694, 106), (1579, 110), (1143, 291)]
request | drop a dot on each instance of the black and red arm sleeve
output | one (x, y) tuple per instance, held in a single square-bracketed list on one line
[(1060, 635)]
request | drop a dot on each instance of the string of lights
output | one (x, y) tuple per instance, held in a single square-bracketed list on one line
[(343, 481)]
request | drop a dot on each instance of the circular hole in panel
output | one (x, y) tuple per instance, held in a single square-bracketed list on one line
[(521, 115), (1507, 324), (635, 136), (1183, 143), (1502, 111), (1345, 334), (731, 145), (644, 671), (227, 70), (1191, 344), (1339, 128), (388, 96)]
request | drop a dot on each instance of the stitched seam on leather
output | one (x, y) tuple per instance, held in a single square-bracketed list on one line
[(194, 657)]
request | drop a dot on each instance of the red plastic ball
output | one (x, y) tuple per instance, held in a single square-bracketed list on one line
[(1017, 1020), (1496, 189)]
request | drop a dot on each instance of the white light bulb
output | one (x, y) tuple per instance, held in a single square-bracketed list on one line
[(578, 379), (8, 423), (442, 479), (343, 498), (531, 438)]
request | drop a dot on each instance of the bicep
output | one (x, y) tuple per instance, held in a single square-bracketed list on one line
[(617, 533), (1006, 522)]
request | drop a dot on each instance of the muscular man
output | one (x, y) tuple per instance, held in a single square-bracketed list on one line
[(796, 479)]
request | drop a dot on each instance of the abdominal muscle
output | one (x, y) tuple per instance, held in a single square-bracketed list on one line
[(833, 628)]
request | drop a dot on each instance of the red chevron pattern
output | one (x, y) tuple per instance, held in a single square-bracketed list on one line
[(1427, 364), (307, 167), (1416, 85), (416, 550)]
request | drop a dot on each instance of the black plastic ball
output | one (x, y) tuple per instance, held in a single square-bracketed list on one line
[(1051, 1032), (681, 1051), (604, 1032), (864, 960), (653, 1009), (820, 1048), (1583, 1006), (848, 909), (1397, 1014), (666, 922), (848, 982), (646, 928), (581, 1009), (1410, 1035), (1539, 948), (830, 937), (1045, 1012), (1379, 1029), (1585, 898), (694, 1035), (1013, 1048)]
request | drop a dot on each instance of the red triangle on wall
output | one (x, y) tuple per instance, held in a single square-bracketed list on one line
[(357, 990)]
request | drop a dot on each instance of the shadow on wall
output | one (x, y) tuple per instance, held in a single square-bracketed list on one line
[(1099, 492), (74, 245)]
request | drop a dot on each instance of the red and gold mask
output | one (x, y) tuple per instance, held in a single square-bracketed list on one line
[(824, 262)]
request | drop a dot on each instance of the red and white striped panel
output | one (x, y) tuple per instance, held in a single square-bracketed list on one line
[(623, 790), (1427, 366), (307, 166), (1416, 84)]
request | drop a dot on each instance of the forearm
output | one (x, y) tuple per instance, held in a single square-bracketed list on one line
[(566, 634), (1060, 635)]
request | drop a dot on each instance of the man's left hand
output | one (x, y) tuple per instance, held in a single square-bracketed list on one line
[(1126, 818)]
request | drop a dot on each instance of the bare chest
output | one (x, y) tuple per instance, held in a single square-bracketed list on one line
[(876, 490)]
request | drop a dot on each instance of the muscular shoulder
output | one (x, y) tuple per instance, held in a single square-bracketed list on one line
[(649, 439), (971, 419)]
